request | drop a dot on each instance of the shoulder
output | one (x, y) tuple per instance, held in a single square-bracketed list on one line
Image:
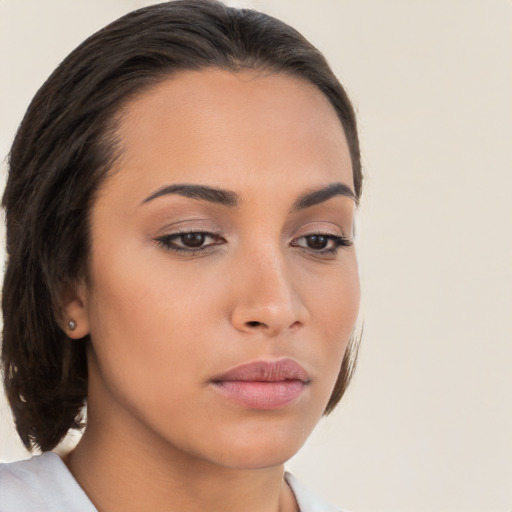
[(307, 500), (40, 484)]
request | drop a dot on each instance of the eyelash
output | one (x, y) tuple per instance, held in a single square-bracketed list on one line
[(338, 242), (166, 242)]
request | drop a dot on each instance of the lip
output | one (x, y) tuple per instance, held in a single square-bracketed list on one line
[(263, 384)]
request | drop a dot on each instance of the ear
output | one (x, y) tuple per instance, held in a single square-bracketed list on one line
[(74, 314)]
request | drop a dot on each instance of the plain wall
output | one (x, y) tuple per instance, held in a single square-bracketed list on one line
[(427, 422)]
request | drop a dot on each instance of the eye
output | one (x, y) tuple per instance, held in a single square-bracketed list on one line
[(192, 239), (190, 242), (322, 243)]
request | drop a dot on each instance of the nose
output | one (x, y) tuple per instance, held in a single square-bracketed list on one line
[(267, 298)]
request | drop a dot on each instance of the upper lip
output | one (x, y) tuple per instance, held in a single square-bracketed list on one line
[(265, 371)]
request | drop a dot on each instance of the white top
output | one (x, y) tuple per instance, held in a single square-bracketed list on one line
[(44, 483)]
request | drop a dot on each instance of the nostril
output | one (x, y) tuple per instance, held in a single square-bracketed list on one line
[(254, 324)]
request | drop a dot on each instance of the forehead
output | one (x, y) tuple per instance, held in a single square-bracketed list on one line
[(241, 128)]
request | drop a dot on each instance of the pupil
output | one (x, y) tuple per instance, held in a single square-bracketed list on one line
[(192, 239), (317, 241)]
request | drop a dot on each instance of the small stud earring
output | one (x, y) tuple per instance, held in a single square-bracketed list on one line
[(72, 325)]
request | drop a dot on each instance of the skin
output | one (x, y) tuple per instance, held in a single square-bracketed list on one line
[(163, 324)]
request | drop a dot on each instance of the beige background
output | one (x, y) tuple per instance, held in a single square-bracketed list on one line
[(427, 423)]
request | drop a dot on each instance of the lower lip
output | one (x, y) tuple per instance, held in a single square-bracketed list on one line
[(261, 395)]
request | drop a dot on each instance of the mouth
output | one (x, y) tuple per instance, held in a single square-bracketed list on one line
[(263, 384)]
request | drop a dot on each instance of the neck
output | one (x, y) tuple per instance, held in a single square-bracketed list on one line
[(123, 467)]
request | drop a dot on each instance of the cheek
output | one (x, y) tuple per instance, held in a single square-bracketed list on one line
[(333, 303), (144, 326), (336, 302)]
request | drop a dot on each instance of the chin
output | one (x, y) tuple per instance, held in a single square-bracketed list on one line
[(256, 458), (260, 450)]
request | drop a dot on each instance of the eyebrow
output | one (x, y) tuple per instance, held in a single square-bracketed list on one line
[(232, 200), (323, 194), (213, 195)]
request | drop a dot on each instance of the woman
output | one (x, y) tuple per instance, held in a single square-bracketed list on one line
[(179, 210)]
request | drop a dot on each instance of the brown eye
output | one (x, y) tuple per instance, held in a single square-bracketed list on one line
[(317, 242), (192, 239), (193, 242), (322, 244)]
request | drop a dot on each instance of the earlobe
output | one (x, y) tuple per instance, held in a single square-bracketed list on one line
[(74, 312)]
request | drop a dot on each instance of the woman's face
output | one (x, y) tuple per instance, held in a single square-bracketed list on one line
[(223, 284)]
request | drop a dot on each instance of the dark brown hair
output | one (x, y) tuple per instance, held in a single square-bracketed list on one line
[(63, 151)]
